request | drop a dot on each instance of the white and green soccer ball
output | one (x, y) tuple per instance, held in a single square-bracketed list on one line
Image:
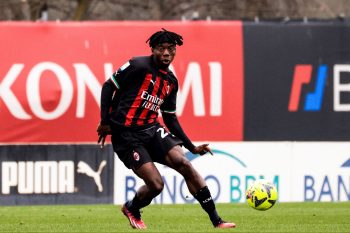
[(261, 194)]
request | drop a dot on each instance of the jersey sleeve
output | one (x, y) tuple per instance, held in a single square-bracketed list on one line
[(107, 91), (118, 77), (113, 84), (169, 105)]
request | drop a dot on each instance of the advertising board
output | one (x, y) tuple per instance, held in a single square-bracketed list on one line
[(56, 174), (306, 171)]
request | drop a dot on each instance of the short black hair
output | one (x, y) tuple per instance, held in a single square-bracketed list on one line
[(164, 36)]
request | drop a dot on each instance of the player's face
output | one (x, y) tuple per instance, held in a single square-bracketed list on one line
[(164, 54)]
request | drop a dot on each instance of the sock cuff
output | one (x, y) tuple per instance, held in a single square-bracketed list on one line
[(204, 198), (203, 191)]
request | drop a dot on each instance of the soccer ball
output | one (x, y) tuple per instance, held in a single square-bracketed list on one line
[(261, 194)]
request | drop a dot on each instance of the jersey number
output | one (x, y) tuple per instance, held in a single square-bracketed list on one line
[(163, 133)]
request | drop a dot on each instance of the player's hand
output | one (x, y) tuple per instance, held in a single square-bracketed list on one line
[(202, 149), (102, 132)]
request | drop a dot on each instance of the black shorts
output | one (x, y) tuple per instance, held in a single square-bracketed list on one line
[(137, 147)]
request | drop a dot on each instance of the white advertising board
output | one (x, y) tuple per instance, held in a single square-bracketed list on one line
[(302, 171)]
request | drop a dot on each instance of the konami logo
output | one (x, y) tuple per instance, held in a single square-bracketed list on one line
[(313, 101), (85, 79), (73, 99), (53, 77)]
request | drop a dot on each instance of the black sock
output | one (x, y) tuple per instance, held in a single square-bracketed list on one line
[(136, 204), (203, 196)]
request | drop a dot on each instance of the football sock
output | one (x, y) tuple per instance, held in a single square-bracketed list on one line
[(136, 204), (203, 196)]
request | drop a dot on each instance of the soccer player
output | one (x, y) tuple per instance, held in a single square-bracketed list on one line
[(130, 102)]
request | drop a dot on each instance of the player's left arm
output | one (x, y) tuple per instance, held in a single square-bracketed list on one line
[(168, 109), (172, 123)]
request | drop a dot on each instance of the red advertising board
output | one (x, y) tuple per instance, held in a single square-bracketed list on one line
[(51, 76)]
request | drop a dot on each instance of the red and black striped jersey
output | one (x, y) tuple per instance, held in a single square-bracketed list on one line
[(136, 92)]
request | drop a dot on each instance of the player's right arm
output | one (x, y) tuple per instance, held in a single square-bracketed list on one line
[(111, 86), (104, 128)]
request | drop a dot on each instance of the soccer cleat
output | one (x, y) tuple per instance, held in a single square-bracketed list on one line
[(135, 221), (223, 224)]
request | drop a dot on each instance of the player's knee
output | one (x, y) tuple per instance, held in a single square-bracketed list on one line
[(186, 164), (157, 187), (187, 168)]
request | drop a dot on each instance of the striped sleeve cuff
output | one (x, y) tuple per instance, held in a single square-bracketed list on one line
[(114, 81), (169, 111)]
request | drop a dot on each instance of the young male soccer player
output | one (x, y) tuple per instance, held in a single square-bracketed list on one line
[(130, 102)]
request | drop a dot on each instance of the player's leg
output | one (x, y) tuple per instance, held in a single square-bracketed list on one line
[(195, 183), (139, 160), (176, 159), (166, 150), (153, 185), (144, 195)]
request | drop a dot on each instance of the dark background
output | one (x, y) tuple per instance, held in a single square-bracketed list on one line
[(271, 53)]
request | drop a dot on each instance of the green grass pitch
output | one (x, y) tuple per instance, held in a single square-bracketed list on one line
[(284, 217)]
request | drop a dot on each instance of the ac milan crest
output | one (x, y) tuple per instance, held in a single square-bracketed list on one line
[(136, 156)]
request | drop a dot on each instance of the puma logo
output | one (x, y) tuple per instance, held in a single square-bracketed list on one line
[(84, 168), (153, 82)]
